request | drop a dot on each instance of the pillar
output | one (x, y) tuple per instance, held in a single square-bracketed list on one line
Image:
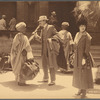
[(22, 9), (43, 8)]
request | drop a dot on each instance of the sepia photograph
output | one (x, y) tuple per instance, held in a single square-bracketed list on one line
[(49, 49)]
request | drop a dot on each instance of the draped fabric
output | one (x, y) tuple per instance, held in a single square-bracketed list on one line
[(12, 24), (20, 43), (2, 24), (60, 45)]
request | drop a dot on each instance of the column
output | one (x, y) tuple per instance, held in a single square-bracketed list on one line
[(22, 9), (43, 8)]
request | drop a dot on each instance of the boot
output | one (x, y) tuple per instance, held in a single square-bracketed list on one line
[(83, 93), (79, 92), (21, 84)]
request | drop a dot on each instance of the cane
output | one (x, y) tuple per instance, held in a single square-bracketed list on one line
[(34, 34)]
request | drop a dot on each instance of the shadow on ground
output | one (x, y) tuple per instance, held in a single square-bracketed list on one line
[(30, 87), (63, 73), (51, 88), (13, 85)]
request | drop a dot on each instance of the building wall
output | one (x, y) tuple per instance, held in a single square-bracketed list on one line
[(29, 12), (8, 9)]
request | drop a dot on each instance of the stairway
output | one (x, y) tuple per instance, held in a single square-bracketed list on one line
[(95, 51), (5, 47), (36, 48)]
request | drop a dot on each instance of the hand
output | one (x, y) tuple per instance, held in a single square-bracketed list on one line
[(33, 33), (50, 40), (83, 61), (30, 61), (36, 36)]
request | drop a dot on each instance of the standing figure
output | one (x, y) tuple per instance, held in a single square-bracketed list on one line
[(67, 43), (65, 48), (47, 32), (12, 24), (53, 19), (3, 23), (83, 62), (20, 52)]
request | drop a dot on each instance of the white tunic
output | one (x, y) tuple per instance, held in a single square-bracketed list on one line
[(2, 24)]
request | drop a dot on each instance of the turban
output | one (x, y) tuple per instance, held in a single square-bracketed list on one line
[(65, 24), (20, 26)]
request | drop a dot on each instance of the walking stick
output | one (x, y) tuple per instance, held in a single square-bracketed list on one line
[(34, 34)]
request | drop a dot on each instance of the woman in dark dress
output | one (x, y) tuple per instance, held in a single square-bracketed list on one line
[(83, 62)]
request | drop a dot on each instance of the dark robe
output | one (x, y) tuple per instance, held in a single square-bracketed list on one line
[(82, 75)]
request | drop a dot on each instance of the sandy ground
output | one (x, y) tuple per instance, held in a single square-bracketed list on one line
[(36, 90)]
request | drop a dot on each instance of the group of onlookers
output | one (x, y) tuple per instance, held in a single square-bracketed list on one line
[(11, 25)]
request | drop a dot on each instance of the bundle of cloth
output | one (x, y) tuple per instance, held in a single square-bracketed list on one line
[(60, 50)]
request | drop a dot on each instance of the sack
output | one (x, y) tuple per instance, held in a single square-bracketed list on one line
[(29, 70)]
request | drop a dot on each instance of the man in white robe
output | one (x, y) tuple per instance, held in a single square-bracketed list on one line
[(20, 45), (3, 23)]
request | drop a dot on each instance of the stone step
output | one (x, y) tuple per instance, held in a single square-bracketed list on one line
[(96, 58), (95, 54), (36, 51), (95, 47), (95, 51), (37, 54), (97, 62), (39, 46)]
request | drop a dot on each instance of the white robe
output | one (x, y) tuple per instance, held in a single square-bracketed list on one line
[(2, 24), (20, 43)]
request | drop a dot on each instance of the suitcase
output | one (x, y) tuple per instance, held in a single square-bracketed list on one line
[(29, 70)]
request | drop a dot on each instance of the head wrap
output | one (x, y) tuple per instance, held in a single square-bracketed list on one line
[(20, 25), (65, 23)]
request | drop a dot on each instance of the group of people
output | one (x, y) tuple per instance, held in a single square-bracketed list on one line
[(56, 49), (3, 24)]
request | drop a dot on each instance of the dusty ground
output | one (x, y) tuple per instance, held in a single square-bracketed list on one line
[(35, 89)]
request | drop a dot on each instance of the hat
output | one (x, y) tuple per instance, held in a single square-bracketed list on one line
[(3, 16), (82, 21), (53, 12), (41, 18), (65, 23), (20, 25)]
